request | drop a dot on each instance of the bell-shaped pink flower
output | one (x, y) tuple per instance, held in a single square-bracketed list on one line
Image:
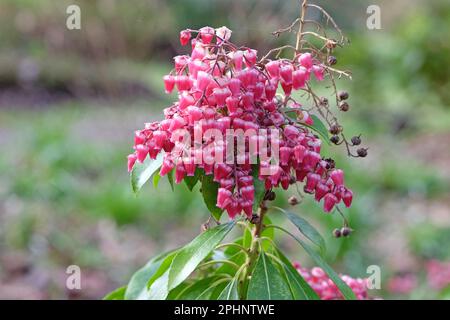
[(319, 72), (305, 60), (270, 91), (131, 161), (223, 198), (206, 34), (203, 80), (321, 190), (141, 152), (311, 181), (299, 78), (329, 202), (166, 166), (185, 36), (347, 197), (180, 172), (235, 86), (250, 57), (337, 176), (169, 83), (248, 193), (273, 68)]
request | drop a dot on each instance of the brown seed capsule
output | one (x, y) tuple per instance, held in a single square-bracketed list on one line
[(332, 60), (334, 139), (270, 196), (335, 129), (362, 152), (343, 106), (337, 233), (345, 231), (356, 140), (255, 219), (293, 201), (343, 95)]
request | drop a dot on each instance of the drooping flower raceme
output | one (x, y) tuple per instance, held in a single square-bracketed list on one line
[(225, 95), (325, 287)]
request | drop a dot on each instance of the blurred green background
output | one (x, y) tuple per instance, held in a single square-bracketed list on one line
[(70, 101)]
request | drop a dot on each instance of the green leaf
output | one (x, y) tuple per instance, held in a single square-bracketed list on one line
[(197, 289), (209, 192), (143, 171), (232, 254), (268, 233), (170, 178), (192, 181), (156, 178), (306, 229), (319, 127), (266, 282), (118, 294), (299, 287), (260, 189), (137, 287), (342, 286), (189, 257), (159, 290), (230, 292)]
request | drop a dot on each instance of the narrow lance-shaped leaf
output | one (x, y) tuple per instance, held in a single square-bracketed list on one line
[(266, 282), (260, 190), (137, 287), (306, 229), (118, 294), (320, 128), (192, 254), (142, 172), (209, 191), (192, 181), (299, 287), (342, 286), (230, 292), (170, 178)]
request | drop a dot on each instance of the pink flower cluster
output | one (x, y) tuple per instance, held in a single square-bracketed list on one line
[(221, 86), (438, 274), (325, 287)]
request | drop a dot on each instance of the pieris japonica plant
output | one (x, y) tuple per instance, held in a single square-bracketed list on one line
[(244, 125)]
